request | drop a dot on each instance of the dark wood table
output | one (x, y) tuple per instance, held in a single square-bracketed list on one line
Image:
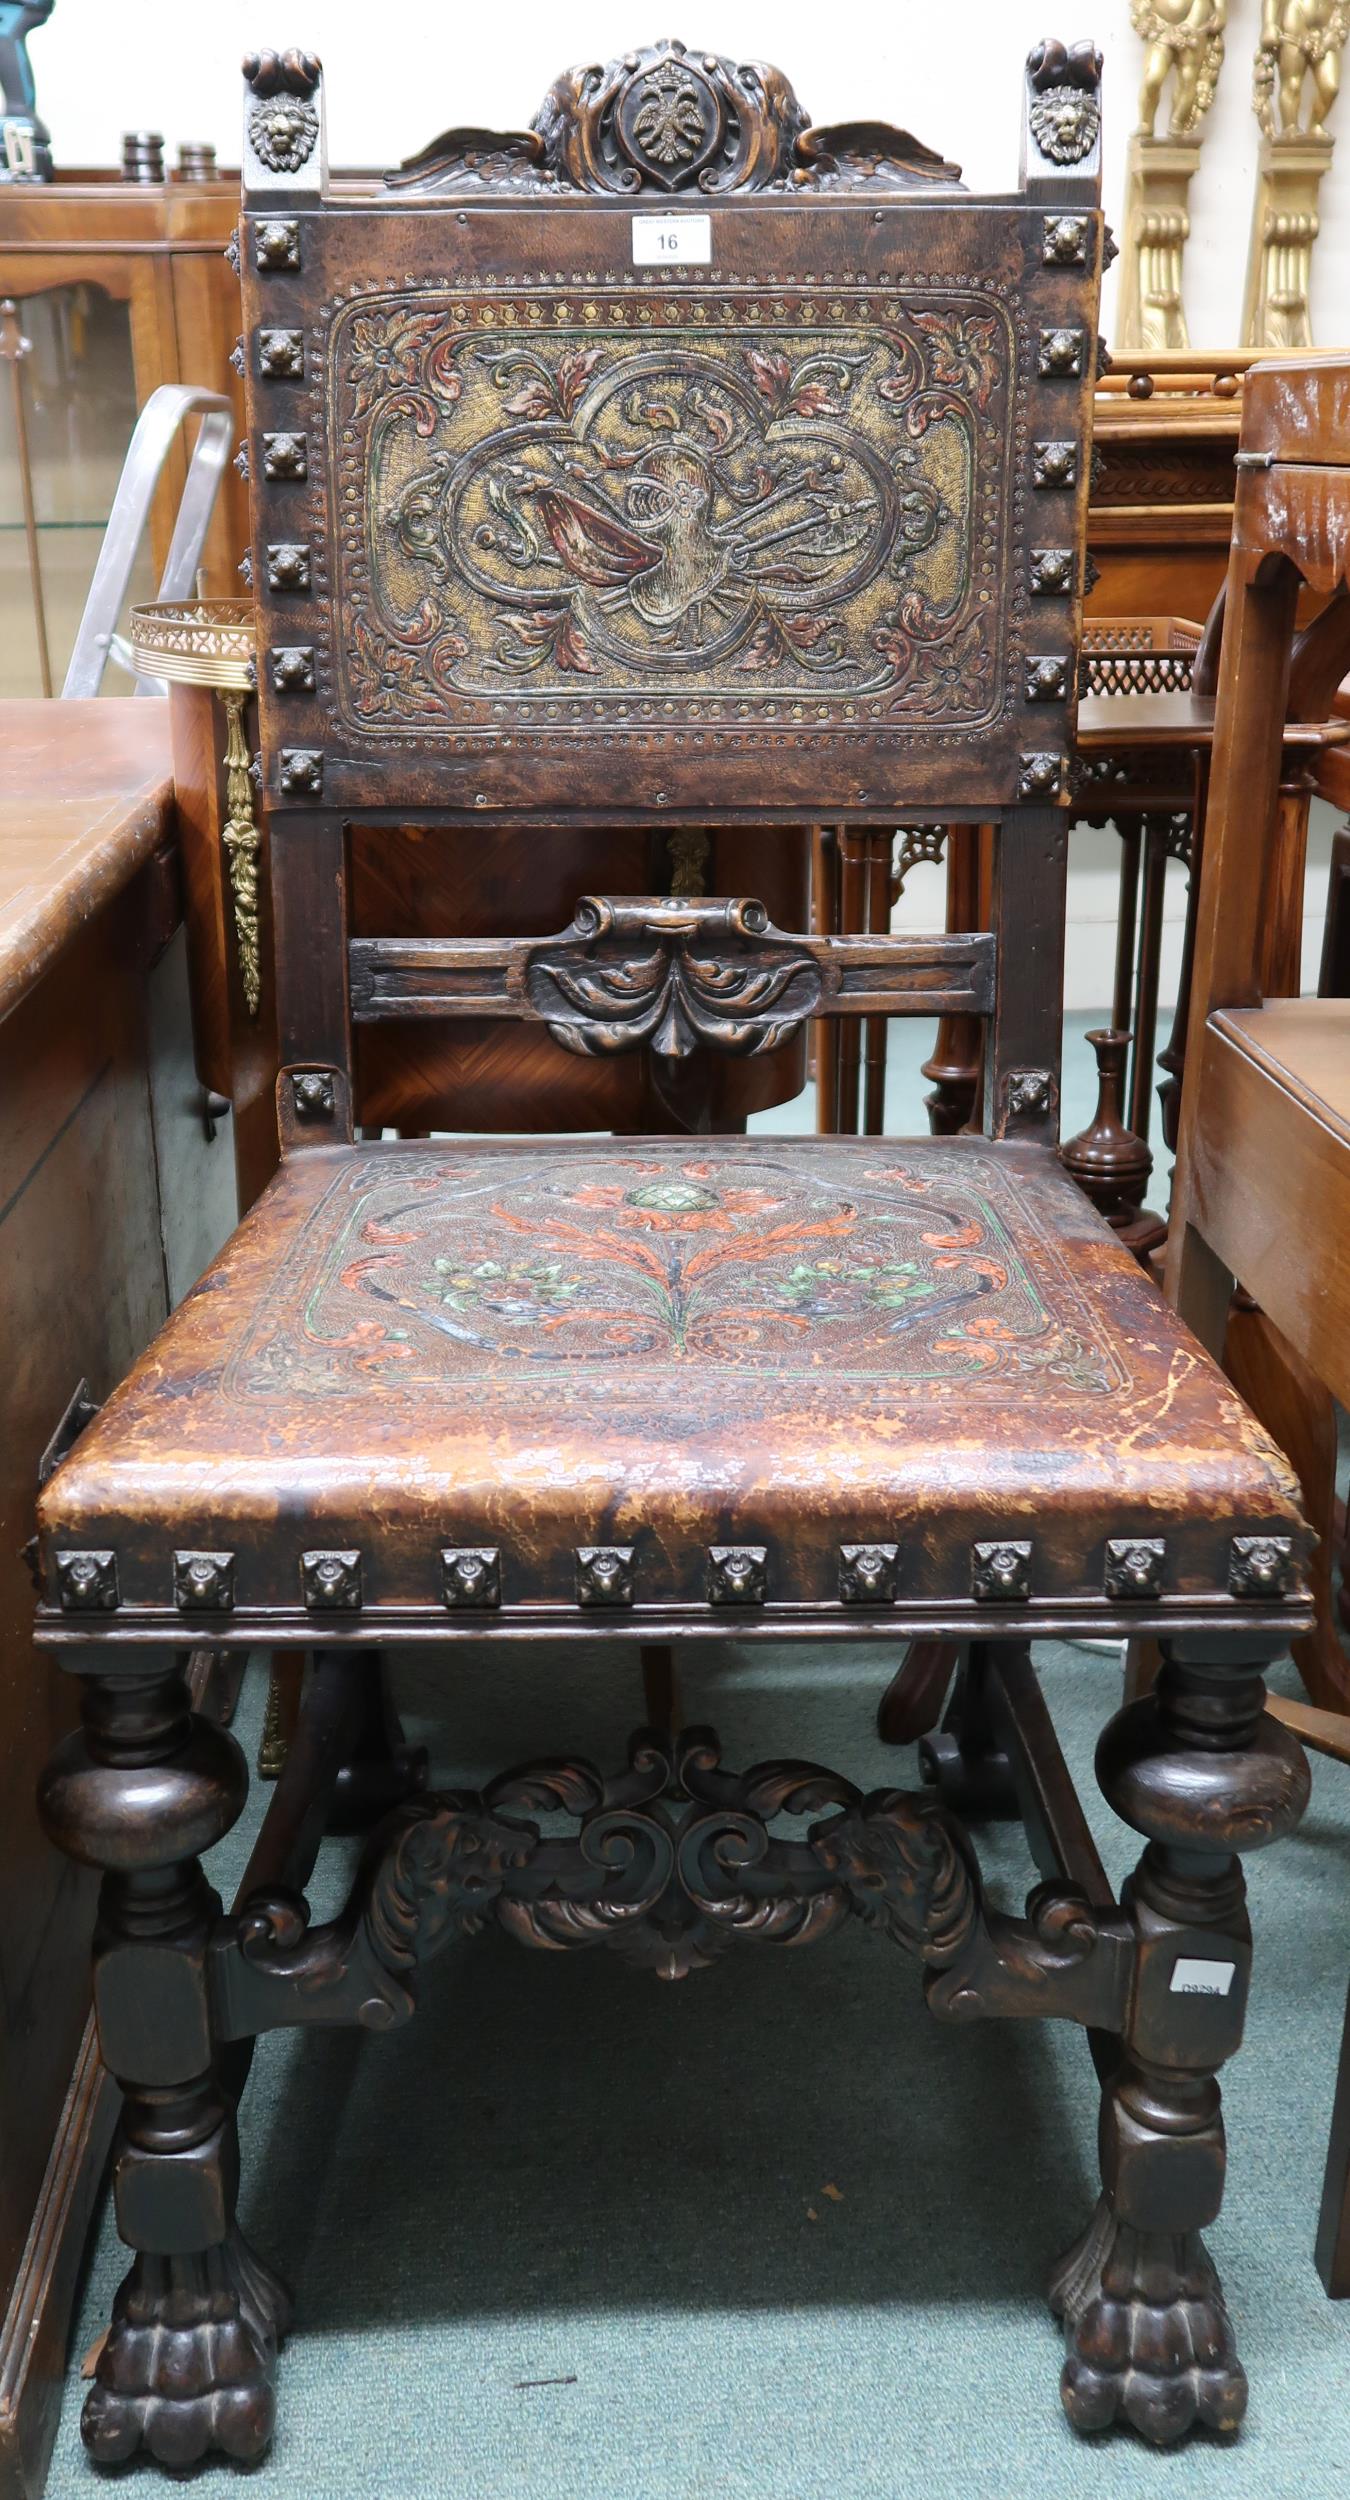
[(111, 1198)]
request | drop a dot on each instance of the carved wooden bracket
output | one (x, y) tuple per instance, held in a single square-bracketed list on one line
[(666, 120), (674, 972), (672, 1863)]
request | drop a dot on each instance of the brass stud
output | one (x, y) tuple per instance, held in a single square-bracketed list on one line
[(471, 1576), (203, 1583), (281, 355), (287, 565), (1134, 1567), (1260, 1566), (1060, 356), (276, 243), (1047, 679), (86, 1584), (285, 456), (292, 667), (313, 1094), (301, 773), (1064, 242), (331, 1582), (869, 1575), (738, 1575), (1054, 465), (605, 1575), (1000, 1574)]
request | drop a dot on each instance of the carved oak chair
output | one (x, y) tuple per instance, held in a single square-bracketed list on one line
[(763, 506)]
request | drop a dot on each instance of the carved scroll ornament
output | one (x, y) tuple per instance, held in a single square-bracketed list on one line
[(674, 975), (667, 120)]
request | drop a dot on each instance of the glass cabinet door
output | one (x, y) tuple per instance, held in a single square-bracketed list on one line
[(78, 385)]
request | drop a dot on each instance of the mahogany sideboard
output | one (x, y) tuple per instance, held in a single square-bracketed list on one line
[(111, 1200)]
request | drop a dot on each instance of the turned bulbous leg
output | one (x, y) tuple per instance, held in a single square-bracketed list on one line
[(1199, 1771), (190, 2359)]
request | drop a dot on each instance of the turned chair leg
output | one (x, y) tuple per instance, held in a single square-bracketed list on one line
[(1198, 1769), (189, 2361)]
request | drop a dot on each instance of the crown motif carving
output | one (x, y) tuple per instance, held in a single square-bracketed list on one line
[(665, 120)]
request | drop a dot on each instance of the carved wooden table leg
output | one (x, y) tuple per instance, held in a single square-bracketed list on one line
[(189, 2361), (1202, 1774)]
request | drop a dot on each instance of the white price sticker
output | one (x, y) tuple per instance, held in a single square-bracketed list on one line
[(1202, 1979), (672, 242)]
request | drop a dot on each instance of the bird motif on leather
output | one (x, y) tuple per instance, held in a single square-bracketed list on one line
[(665, 556)]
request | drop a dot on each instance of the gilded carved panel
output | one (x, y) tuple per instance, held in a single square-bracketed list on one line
[(708, 506)]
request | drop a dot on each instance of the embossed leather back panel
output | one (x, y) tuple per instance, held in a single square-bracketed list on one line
[(800, 530)]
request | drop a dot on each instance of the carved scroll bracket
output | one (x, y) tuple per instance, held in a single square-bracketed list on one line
[(672, 1863), (673, 973)]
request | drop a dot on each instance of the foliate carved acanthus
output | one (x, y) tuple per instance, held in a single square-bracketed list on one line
[(667, 120), (674, 973), (672, 1863), (1064, 113)]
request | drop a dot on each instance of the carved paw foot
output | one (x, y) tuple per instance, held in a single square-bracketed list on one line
[(1149, 2339), (190, 2361)]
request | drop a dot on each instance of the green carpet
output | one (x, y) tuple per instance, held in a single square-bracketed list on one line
[(772, 2233)]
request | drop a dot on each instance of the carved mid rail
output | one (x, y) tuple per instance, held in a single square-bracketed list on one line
[(673, 974)]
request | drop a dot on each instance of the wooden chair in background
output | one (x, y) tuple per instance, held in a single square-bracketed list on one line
[(1262, 1185)]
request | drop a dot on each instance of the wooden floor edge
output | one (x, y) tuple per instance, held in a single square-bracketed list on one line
[(36, 2329)]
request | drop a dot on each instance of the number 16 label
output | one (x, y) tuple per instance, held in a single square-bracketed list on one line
[(672, 242)]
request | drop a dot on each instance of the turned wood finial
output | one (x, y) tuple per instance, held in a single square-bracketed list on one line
[(1106, 1158)]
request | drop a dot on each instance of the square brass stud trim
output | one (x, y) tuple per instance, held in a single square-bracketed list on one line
[(604, 1575), (1047, 679), (312, 1094), (301, 775), (203, 1583), (331, 1582), (281, 355), (1261, 1566), (1030, 1094), (1039, 776), (292, 666), (276, 243), (285, 455), (869, 1575), (1134, 1567), (471, 1575), (1000, 1574), (1060, 356), (738, 1575), (1052, 571), (1054, 465), (287, 565), (87, 1583), (1065, 242)]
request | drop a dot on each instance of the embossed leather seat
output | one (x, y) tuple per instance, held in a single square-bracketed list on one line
[(532, 1355), (551, 531)]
